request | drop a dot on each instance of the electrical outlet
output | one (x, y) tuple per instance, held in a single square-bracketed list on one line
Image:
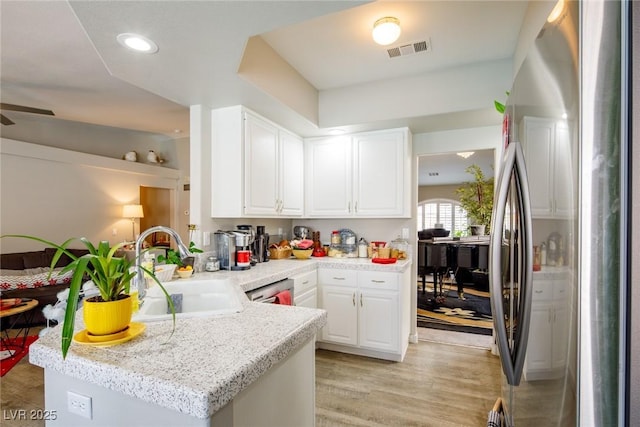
[(114, 232), (206, 238), (79, 404)]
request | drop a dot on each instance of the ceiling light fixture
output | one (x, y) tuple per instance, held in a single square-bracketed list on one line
[(137, 42), (386, 30), (465, 154)]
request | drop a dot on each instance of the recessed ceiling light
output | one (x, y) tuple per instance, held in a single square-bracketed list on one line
[(465, 154), (137, 42)]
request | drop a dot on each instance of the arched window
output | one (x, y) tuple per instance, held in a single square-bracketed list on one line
[(447, 212)]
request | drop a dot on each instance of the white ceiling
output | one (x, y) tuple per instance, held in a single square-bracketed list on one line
[(449, 168), (63, 56)]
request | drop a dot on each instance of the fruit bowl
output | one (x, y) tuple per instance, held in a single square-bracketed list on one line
[(184, 274), (302, 253)]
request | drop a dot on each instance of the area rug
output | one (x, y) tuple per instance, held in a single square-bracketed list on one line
[(471, 314), (14, 344)]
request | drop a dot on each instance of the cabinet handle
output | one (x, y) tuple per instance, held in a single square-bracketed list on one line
[(305, 282), (360, 300), (378, 281), (353, 299), (349, 207), (355, 208), (538, 292), (339, 278)]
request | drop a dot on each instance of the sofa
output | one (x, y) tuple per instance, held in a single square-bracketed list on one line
[(26, 275)]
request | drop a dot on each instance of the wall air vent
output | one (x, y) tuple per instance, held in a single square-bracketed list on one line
[(409, 48)]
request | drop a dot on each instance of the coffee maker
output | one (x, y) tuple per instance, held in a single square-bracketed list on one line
[(244, 240)]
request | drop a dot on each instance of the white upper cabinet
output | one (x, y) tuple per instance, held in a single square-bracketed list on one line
[(291, 169), (328, 174), (363, 175), (551, 167), (256, 167)]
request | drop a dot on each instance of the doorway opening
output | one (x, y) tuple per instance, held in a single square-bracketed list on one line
[(157, 204), (439, 175)]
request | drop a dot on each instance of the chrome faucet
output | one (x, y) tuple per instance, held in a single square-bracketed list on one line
[(139, 280)]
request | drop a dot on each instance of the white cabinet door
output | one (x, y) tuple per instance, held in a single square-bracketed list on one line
[(379, 174), (379, 320), (540, 342), (549, 330), (342, 314), (261, 166), (291, 181), (538, 139), (560, 337), (256, 167), (329, 172), (366, 175), (551, 168), (565, 174)]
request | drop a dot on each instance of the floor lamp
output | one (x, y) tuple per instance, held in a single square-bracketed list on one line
[(133, 212)]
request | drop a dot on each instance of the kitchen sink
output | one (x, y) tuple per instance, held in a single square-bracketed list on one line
[(200, 298)]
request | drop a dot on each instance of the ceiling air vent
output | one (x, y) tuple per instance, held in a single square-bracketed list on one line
[(409, 49)]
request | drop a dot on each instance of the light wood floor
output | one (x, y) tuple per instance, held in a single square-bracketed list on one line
[(437, 385)]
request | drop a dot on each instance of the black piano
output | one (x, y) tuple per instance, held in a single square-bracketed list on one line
[(467, 259)]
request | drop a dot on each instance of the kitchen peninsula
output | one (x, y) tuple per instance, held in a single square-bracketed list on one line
[(252, 367)]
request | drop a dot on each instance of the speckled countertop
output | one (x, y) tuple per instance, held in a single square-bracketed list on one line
[(274, 270), (207, 361)]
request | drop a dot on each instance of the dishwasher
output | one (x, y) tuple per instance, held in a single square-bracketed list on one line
[(267, 293)]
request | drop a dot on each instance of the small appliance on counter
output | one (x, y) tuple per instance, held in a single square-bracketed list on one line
[(248, 229), (261, 245), (301, 232), (225, 244), (343, 244), (233, 250), (244, 240)]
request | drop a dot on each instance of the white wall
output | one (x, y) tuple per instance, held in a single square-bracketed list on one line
[(57, 194)]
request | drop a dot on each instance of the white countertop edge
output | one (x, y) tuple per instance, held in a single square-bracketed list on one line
[(198, 403)]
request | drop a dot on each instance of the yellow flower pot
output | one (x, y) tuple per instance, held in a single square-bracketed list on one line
[(104, 318)]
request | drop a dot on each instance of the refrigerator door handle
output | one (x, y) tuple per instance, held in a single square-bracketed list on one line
[(512, 362)]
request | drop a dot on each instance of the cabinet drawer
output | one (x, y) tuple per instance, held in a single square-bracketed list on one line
[(378, 280), (560, 290), (335, 276), (542, 290), (304, 281)]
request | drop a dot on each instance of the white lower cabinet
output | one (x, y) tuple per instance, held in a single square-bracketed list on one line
[(305, 292), (547, 348), (366, 312)]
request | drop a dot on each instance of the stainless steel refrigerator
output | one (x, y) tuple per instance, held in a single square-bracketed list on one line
[(558, 257)]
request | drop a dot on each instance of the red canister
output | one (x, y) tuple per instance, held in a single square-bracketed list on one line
[(243, 258)]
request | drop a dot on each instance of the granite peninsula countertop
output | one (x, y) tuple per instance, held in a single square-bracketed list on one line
[(207, 361)]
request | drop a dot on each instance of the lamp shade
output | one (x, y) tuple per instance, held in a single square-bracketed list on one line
[(132, 211), (386, 30)]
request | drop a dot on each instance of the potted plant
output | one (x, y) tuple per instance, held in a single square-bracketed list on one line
[(173, 256), (476, 197), (110, 274)]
